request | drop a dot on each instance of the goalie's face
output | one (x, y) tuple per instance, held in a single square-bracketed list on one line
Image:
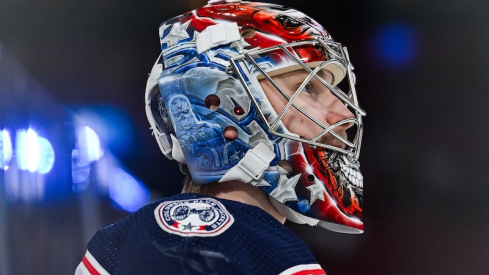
[(315, 99)]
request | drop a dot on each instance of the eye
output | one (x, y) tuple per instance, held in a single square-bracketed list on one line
[(308, 88)]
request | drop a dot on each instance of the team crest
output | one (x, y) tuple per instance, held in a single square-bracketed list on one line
[(195, 217)]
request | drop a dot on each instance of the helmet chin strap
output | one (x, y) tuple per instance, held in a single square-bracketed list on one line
[(251, 166), (291, 215), (295, 217)]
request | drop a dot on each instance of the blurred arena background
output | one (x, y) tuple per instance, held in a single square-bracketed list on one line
[(76, 152)]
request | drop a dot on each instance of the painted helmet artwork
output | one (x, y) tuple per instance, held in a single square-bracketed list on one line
[(234, 88)]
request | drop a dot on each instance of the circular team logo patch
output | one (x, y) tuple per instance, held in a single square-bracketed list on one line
[(195, 217)]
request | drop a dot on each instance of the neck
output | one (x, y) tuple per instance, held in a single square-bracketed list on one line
[(245, 193)]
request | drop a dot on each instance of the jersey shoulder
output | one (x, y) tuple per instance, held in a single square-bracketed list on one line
[(198, 235)]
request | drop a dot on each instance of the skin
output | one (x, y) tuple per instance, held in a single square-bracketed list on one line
[(245, 193), (318, 101)]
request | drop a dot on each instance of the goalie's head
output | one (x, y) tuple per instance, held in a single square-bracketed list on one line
[(262, 94)]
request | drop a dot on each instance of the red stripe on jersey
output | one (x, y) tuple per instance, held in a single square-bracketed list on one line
[(310, 272), (90, 267)]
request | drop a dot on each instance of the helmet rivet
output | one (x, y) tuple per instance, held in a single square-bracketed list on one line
[(212, 102), (229, 70), (238, 111), (230, 133), (311, 178)]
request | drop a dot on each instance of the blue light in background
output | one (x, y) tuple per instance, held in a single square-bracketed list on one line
[(79, 172), (113, 126), (88, 143), (127, 192), (397, 44), (5, 149), (34, 153), (88, 149), (46, 157), (27, 149)]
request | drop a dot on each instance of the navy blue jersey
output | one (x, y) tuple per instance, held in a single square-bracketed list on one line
[(196, 234)]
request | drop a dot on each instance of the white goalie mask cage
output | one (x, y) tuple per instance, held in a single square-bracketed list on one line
[(258, 65)]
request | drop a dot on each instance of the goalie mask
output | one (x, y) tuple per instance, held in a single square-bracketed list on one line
[(262, 94)]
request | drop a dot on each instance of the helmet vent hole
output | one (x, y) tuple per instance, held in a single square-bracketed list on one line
[(212, 102), (230, 133), (248, 32), (311, 178), (284, 166)]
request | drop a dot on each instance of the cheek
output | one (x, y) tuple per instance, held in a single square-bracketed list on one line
[(294, 120), (277, 101), (312, 106), (299, 124)]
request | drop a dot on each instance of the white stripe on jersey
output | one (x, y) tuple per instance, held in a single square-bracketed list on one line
[(303, 270), (82, 269)]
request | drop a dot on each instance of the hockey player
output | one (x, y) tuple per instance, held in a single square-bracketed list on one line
[(257, 104)]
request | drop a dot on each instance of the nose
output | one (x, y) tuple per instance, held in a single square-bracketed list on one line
[(337, 111)]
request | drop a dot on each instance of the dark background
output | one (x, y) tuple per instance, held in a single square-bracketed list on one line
[(421, 71)]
